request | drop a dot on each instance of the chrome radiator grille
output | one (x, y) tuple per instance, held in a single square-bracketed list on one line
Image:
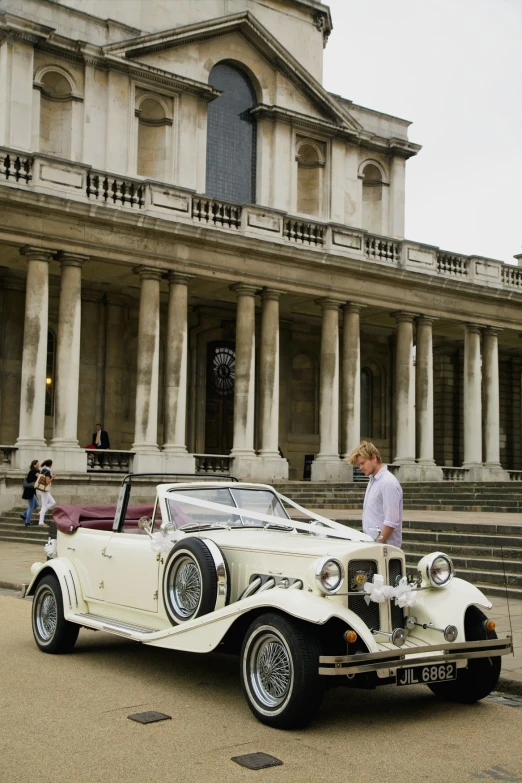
[(397, 614), (369, 614)]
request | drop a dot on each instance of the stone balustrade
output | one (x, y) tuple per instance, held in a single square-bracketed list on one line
[(6, 457), (213, 463), (515, 475), (454, 474), (56, 176), (109, 461)]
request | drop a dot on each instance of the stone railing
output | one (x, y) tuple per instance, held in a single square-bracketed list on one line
[(15, 167), (452, 265), (219, 213), (115, 190), (512, 276), (454, 474), (6, 457), (303, 232), (381, 249), (515, 475), (213, 463), (109, 461), (56, 176)]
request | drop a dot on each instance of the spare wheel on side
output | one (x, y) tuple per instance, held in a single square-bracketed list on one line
[(196, 579)]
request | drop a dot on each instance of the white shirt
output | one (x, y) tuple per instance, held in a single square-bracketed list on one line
[(383, 506)]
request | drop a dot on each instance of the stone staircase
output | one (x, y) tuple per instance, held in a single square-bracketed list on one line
[(13, 529), (504, 497)]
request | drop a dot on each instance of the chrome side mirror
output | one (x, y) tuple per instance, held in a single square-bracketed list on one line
[(167, 527), (145, 523)]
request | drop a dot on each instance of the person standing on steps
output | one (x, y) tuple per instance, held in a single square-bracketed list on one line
[(29, 492), (382, 509), (43, 489)]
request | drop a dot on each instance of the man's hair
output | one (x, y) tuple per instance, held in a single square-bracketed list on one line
[(98, 424), (366, 450)]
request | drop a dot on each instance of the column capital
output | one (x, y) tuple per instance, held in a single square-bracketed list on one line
[(426, 319), (71, 259), (473, 328), (492, 330), (403, 316), (244, 289), (329, 303), (148, 273), (33, 253), (179, 278), (271, 293), (353, 307)]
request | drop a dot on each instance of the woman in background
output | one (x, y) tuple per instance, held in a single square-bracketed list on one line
[(29, 492), (44, 496)]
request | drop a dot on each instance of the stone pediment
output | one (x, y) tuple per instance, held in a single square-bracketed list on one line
[(174, 50)]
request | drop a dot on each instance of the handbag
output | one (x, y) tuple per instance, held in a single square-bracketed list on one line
[(41, 483), (28, 484)]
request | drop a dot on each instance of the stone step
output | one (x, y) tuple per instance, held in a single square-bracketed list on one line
[(500, 592), (455, 550)]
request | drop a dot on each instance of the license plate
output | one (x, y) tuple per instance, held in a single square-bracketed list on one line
[(425, 675)]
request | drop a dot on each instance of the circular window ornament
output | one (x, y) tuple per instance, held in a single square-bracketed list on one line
[(224, 370)]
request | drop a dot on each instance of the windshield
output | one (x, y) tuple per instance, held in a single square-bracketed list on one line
[(187, 516)]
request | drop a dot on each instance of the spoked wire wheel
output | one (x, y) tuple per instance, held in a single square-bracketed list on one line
[(185, 586), (270, 668), (46, 614)]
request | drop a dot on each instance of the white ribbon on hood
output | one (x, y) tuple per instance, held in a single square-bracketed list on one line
[(378, 592)]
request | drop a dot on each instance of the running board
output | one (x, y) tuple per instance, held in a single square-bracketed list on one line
[(114, 626)]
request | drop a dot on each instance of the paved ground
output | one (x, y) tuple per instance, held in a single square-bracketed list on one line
[(66, 718)]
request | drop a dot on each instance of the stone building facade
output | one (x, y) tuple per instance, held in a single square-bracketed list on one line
[(203, 249)]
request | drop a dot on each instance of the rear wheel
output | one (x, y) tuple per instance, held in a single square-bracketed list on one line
[(280, 672), (52, 632), (478, 679)]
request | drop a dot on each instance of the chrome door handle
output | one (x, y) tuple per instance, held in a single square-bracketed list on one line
[(104, 555)]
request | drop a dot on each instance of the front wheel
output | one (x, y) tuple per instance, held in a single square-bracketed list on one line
[(478, 679), (52, 632), (280, 672)]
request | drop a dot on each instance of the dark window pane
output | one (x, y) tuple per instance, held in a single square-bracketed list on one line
[(231, 137)]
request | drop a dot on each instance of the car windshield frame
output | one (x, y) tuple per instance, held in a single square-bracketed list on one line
[(238, 521)]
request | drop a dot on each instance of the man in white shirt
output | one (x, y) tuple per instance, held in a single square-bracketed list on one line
[(382, 510)]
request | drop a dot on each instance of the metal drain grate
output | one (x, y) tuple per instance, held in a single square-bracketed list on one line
[(149, 717), (257, 761)]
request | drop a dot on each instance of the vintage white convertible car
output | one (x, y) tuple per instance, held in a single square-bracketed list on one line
[(307, 602)]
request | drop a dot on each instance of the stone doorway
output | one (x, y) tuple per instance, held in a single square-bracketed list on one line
[(219, 411)]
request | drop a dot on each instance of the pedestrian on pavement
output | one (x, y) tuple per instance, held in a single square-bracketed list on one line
[(100, 438), (43, 489), (29, 492), (382, 509)]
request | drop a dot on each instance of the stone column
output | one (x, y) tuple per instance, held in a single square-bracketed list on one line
[(405, 399), (175, 414), (492, 468), (31, 442), (472, 404), (328, 466), (243, 454), (351, 379), (147, 457), (271, 467), (66, 452), (424, 400)]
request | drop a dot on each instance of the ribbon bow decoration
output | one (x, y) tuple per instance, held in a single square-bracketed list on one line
[(160, 544), (404, 594), (377, 591)]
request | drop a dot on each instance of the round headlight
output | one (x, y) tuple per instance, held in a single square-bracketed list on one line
[(329, 575), (437, 568)]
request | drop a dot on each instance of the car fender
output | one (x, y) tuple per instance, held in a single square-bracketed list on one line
[(447, 605), (205, 633), (67, 575)]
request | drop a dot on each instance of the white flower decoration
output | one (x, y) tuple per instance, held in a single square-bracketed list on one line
[(404, 594), (160, 544), (377, 591)]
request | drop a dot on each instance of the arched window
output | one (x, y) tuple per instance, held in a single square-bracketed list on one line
[(153, 125), (366, 403), (372, 199), (310, 165), (56, 114), (49, 374), (231, 137)]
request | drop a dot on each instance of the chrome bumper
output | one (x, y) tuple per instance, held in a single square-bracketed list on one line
[(395, 659)]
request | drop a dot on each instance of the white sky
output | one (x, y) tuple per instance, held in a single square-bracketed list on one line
[(453, 68)]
